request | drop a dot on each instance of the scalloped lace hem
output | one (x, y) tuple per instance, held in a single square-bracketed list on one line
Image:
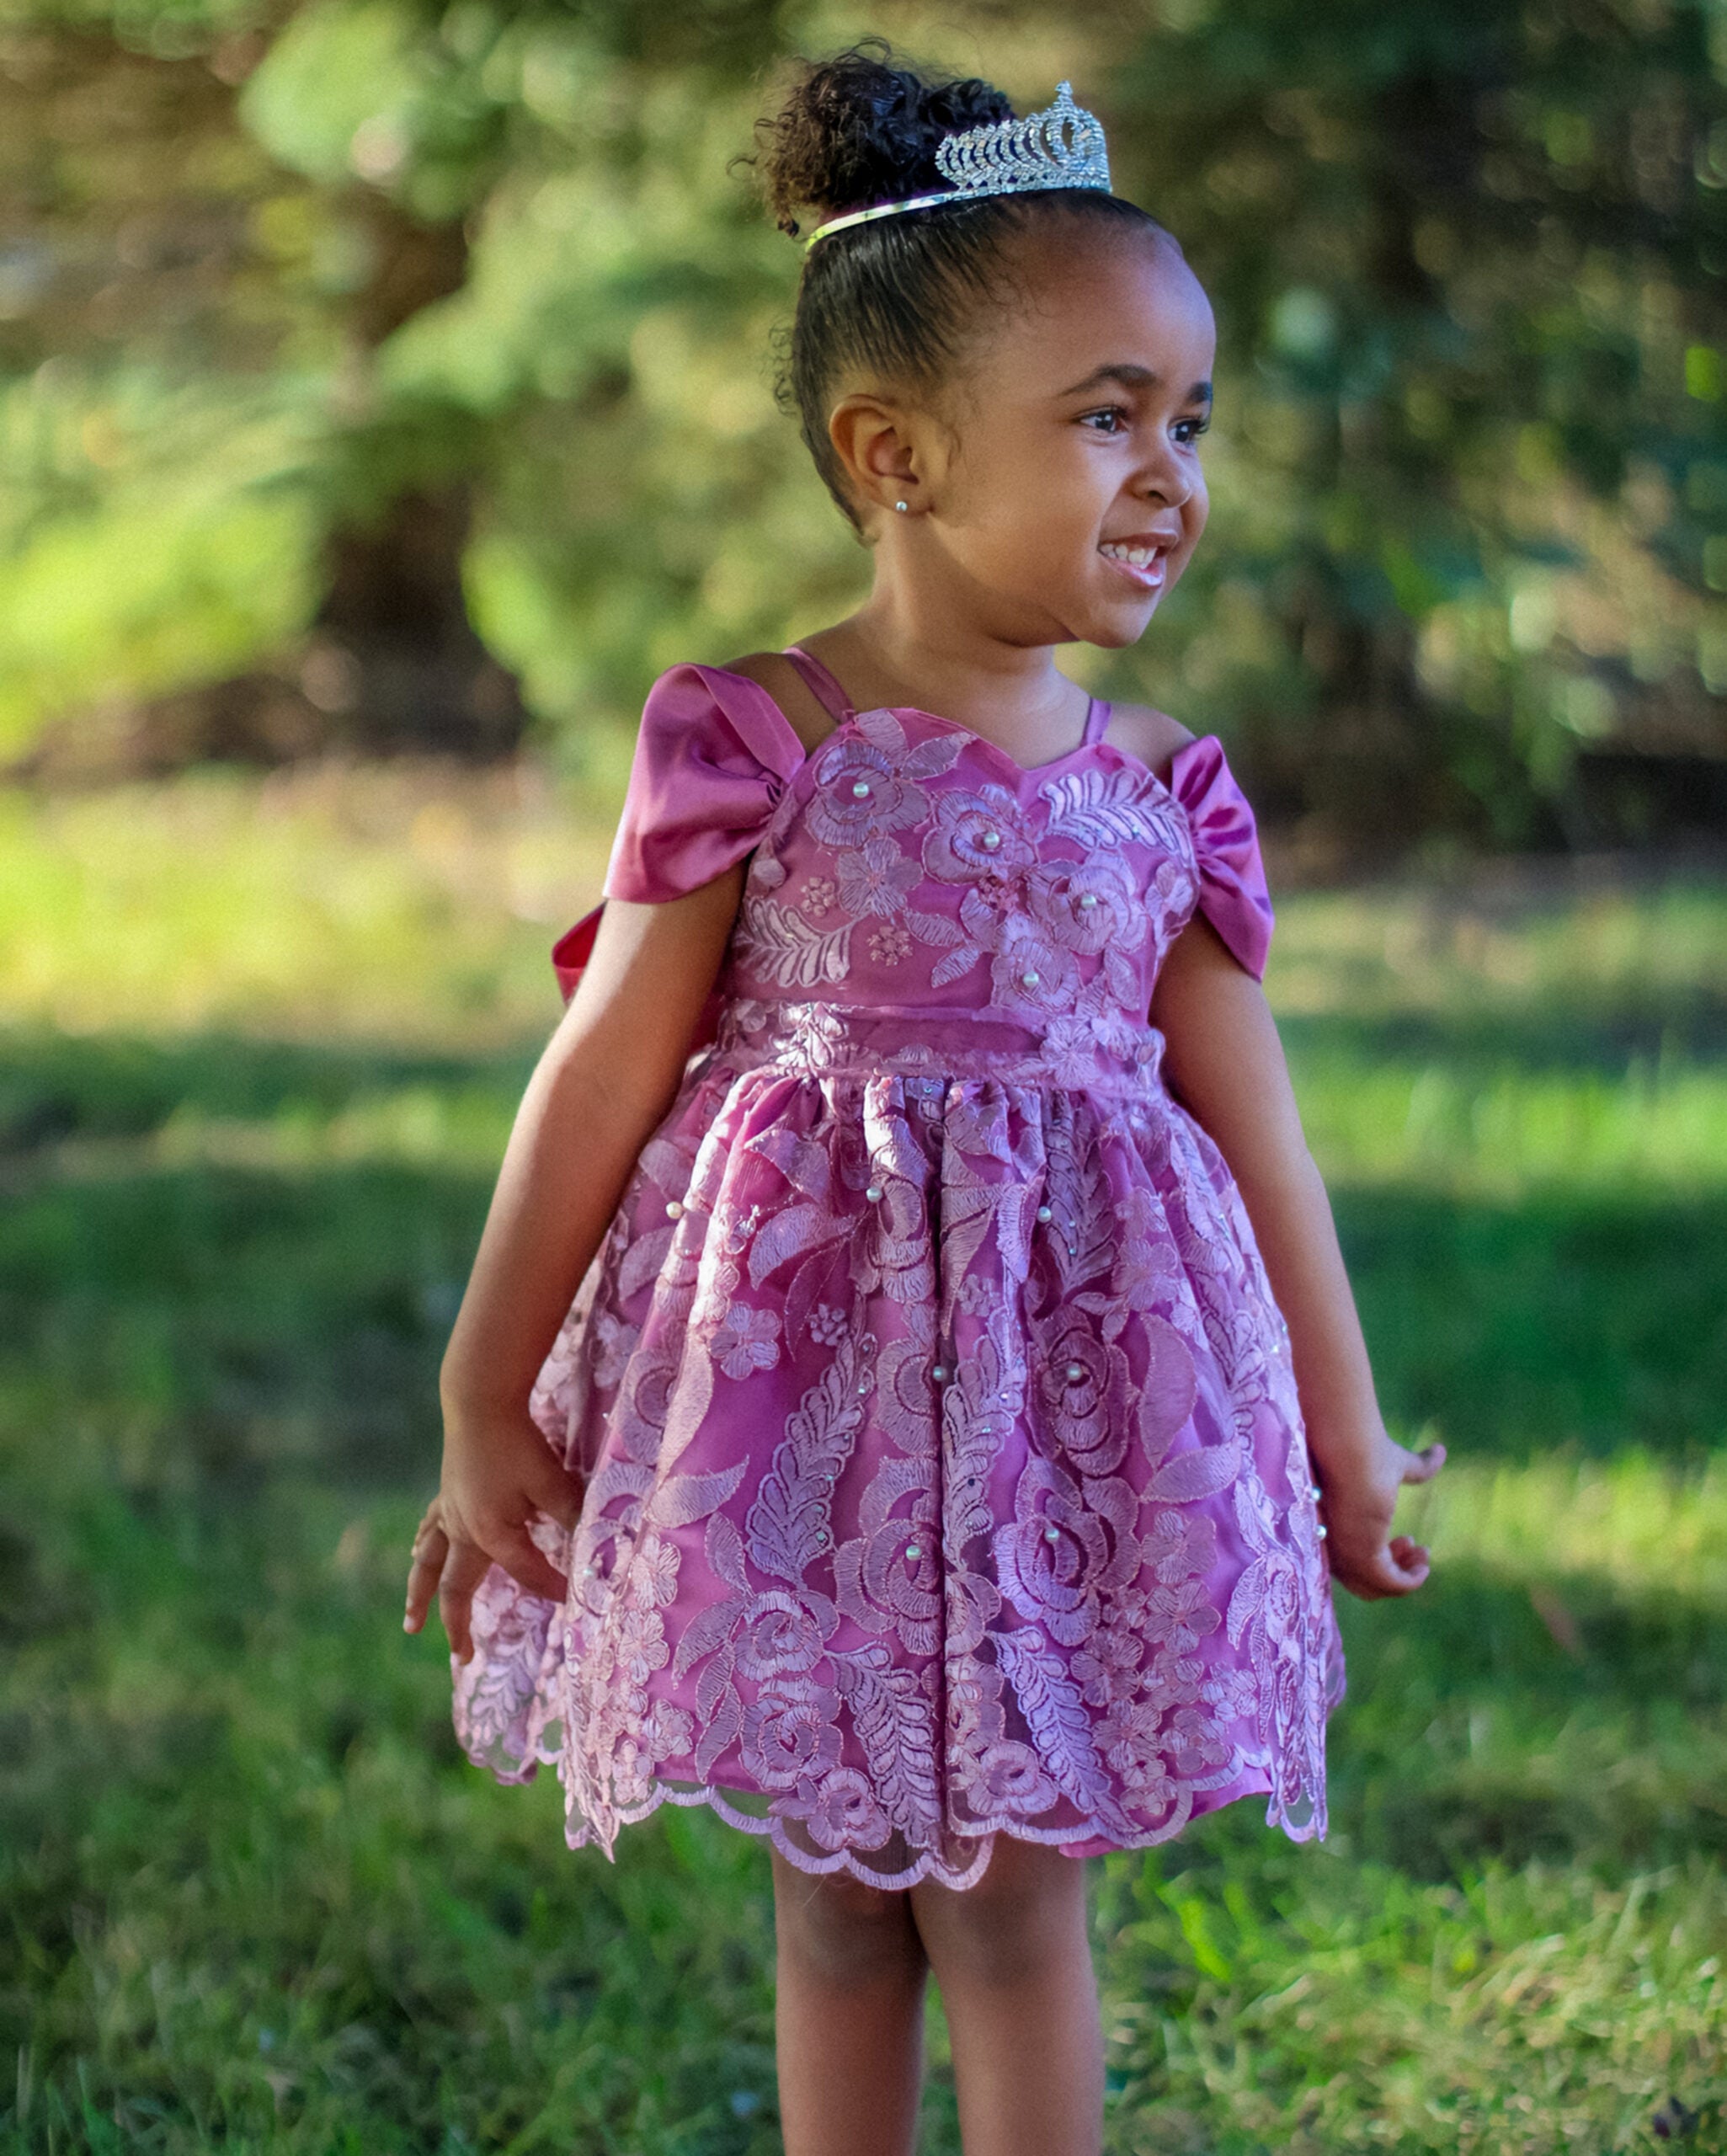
[(1078, 1841)]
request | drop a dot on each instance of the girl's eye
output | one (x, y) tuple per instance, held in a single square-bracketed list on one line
[(1116, 419)]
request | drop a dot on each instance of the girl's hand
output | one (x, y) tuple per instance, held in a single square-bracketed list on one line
[(1366, 1556), (496, 1475), (607, 1077)]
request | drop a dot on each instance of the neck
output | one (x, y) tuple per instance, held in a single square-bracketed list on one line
[(911, 643)]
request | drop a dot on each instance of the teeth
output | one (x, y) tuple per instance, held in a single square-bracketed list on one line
[(1141, 556)]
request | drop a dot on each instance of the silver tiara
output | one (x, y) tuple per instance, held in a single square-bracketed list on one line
[(1063, 146)]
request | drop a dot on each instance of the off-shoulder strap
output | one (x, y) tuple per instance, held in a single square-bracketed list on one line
[(711, 762), (820, 683), (1096, 722), (1226, 850)]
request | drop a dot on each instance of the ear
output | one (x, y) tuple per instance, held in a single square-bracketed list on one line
[(874, 440)]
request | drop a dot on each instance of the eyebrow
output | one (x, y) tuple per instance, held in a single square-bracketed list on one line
[(1132, 376)]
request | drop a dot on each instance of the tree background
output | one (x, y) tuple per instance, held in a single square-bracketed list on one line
[(380, 375)]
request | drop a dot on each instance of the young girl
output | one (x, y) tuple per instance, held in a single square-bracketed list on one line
[(897, 1426)]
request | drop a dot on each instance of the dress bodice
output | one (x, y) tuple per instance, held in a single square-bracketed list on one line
[(906, 869)]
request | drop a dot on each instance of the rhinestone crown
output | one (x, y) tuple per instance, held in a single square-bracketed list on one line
[(1063, 146)]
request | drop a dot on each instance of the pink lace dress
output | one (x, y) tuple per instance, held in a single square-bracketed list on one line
[(947, 1475)]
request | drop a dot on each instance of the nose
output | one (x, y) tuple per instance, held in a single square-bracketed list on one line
[(1165, 478)]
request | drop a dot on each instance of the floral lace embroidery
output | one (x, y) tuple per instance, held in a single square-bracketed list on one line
[(947, 1475)]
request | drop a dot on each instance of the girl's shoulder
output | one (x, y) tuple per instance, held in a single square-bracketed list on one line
[(1150, 735), (798, 703)]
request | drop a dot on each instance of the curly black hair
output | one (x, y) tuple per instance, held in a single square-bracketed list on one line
[(899, 296)]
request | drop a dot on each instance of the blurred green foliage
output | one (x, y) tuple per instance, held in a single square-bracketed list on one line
[(274, 268)]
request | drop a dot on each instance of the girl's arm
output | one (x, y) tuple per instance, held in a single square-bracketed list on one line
[(606, 1078), (1225, 1063)]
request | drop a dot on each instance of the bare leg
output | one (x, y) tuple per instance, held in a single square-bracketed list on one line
[(848, 2015), (1013, 1963)]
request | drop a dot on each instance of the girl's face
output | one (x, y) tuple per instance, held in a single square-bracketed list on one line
[(1067, 495)]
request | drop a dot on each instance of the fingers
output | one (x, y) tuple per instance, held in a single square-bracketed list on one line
[(523, 1559), (1409, 1561), (557, 1492), (452, 1565), (1424, 1464), (467, 1566), (431, 1546), (1399, 1567)]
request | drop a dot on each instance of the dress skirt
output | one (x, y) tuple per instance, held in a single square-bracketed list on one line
[(947, 1476)]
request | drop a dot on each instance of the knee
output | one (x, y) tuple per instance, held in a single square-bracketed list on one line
[(839, 1930)]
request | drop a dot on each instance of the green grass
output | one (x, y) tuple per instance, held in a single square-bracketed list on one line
[(259, 1045)]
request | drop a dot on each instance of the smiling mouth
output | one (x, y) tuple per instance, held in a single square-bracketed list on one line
[(1143, 566)]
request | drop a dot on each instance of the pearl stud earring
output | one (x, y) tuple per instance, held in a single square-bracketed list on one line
[(902, 505)]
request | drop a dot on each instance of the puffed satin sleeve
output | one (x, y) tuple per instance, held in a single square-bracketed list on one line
[(711, 763), (1233, 894)]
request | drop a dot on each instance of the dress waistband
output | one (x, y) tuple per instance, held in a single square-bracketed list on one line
[(1069, 1049)]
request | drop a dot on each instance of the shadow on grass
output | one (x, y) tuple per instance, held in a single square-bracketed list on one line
[(55, 1086), (1571, 1721), (1590, 1319), (242, 1320)]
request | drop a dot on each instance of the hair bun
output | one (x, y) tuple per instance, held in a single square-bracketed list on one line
[(857, 129)]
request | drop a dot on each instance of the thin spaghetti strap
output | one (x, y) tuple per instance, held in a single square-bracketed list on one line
[(820, 683), (1096, 724)]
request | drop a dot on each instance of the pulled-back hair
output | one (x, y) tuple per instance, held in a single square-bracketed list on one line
[(896, 298)]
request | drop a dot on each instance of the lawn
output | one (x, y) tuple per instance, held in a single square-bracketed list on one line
[(259, 1045)]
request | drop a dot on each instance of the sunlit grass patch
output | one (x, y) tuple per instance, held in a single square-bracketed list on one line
[(1559, 1686), (1495, 1040), (1591, 942), (1499, 1129), (413, 905), (1520, 2013), (1642, 1524)]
